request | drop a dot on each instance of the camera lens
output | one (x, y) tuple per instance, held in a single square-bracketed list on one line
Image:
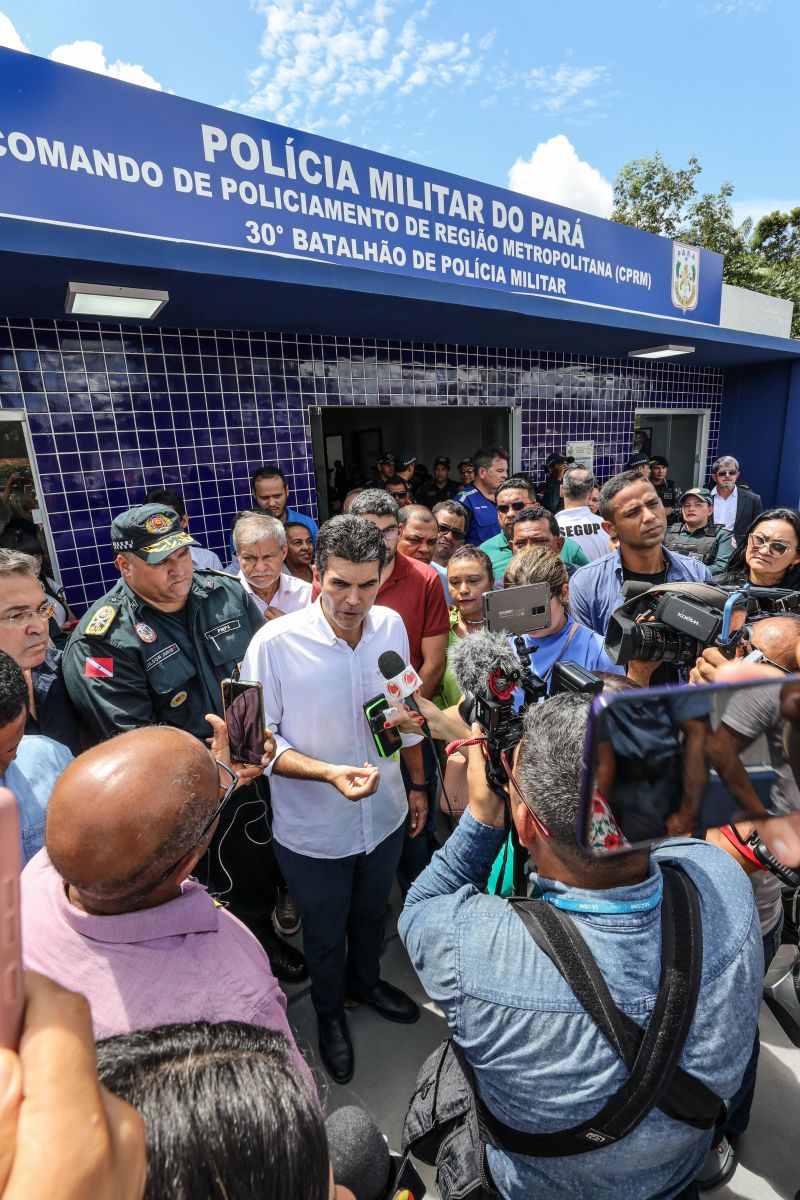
[(655, 642)]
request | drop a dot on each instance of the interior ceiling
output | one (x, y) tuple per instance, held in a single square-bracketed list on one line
[(223, 289)]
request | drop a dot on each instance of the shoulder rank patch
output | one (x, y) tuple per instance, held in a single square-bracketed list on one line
[(101, 621)]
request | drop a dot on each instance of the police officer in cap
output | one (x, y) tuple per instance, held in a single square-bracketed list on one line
[(697, 536), (549, 493), (668, 491), (154, 650)]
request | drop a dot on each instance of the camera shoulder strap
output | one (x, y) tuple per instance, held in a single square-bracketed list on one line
[(651, 1055)]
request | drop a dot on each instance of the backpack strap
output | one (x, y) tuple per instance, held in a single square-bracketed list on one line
[(651, 1054)]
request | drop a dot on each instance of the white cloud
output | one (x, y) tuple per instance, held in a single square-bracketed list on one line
[(555, 173), (327, 62), (760, 206), (9, 36), (566, 86), (90, 56)]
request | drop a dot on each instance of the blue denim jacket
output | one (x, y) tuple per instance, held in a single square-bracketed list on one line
[(32, 775), (595, 591), (540, 1062)]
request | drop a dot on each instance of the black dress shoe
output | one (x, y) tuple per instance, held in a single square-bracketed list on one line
[(335, 1046), (288, 965), (391, 1003)]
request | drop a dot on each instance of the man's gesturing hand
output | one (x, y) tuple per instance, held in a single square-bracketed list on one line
[(355, 782)]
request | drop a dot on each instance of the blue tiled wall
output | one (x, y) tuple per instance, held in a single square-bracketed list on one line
[(115, 410)]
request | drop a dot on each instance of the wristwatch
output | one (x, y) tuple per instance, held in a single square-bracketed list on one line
[(418, 787)]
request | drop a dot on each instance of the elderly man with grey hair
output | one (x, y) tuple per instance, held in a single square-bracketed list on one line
[(260, 544), (735, 505), (576, 520)]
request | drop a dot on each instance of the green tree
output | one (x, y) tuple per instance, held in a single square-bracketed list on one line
[(650, 195)]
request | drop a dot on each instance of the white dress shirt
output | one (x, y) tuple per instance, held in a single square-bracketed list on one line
[(725, 508), (291, 595), (206, 560), (315, 689), (583, 526)]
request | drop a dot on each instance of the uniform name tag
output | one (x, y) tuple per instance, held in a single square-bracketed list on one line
[(219, 630), (157, 659)]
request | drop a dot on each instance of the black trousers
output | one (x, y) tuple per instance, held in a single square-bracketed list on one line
[(343, 904), (240, 867)]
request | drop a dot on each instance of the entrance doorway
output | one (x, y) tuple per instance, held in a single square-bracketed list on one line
[(19, 477), (357, 437), (679, 435)]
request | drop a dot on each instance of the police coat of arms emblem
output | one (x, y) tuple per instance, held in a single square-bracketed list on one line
[(685, 276)]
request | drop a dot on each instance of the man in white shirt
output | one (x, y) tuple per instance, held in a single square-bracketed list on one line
[(260, 544), (576, 520), (735, 505), (339, 808)]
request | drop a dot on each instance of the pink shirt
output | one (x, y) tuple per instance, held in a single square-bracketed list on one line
[(186, 960)]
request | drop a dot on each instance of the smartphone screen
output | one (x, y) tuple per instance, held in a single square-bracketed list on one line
[(11, 986), (243, 708)]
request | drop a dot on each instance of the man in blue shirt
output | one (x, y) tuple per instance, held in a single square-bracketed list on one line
[(29, 764), (631, 509), (271, 494), (541, 1064), (491, 469)]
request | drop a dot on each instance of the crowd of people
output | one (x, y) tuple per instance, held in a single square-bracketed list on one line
[(162, 877)]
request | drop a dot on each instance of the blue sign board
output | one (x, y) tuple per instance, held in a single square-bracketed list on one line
[(83, 150)]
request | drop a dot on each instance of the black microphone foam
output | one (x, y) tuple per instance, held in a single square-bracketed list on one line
[(390, 664), (477, 656), (359, 1154)]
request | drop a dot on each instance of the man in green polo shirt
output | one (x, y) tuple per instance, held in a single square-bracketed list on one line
[(512, 498)]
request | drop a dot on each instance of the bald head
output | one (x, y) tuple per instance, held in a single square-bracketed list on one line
[(778, 638), (122, 813)]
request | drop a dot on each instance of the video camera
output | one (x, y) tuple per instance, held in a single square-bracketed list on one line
[(682, 619)]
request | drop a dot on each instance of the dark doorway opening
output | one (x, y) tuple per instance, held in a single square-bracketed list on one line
[(358, 437)]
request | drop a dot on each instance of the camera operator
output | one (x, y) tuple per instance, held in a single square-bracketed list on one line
[(539, 1061), (631, 510)]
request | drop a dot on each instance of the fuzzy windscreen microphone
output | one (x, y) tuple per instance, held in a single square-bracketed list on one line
[(360, 1156), (477, 657)]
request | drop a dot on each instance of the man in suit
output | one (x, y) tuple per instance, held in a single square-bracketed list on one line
[(735, 505)]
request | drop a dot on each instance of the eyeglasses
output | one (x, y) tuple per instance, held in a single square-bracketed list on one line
[(457, 535), (514, 506), (44, 612), (726, 473), (745, 641), (540, 825), (230, 789), (391, 533), (776, 549), (397, 495)]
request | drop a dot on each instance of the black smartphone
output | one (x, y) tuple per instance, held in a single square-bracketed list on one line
[(243, 710), (388, 741)]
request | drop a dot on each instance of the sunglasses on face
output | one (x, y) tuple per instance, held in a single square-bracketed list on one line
[(727, 472), (776, 549), (513, 506), (398, 495), (457, 535)]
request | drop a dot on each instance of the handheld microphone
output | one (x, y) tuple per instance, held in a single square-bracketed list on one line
[(359, 1154), (402, 682)]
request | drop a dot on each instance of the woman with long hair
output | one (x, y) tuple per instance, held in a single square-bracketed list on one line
[(769, 556)]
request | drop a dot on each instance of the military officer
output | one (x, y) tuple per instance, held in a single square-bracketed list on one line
[(697, 535), (154, 650)]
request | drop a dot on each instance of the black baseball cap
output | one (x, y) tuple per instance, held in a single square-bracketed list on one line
[(466, 462), (403, 461), (556, 458), (387, 458), (658, 460), (442, 461), (150, 531), (638, 460)]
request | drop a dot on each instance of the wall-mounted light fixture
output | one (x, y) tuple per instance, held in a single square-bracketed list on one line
[(105, 300), (661, 352)]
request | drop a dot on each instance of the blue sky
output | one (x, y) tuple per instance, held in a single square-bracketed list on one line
[(549, 98)]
